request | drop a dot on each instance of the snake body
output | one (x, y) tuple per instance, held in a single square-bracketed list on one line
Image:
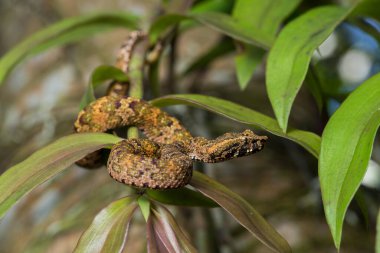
[(164, 159)]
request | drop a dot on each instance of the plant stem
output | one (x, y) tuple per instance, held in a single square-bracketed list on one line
[(136, 80)]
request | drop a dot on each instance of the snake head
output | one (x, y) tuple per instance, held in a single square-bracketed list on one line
[(227, 146)]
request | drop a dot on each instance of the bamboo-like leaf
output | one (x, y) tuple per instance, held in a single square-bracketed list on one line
[(65, 31), (312, 83), (229, 26), (346, 149), (164, 233), (290, 55), (162, 23), (220, 49), (154, 244), (246, 62), (46, 163), (367, 8), (265, 16), (166, 217), (109, 229), (180, 197), (242, 211), (215, 20), (144, 205), (308, 140), (99, 76), (212, 5)]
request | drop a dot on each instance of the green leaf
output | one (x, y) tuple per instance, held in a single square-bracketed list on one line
[(144, 205), (246, 62), (265, 16), (290, 55), (163, 215), (368, 8), (212, 5), (217, 21), (313, 84), (99, 76), (229, 26), (242, 211), (162, 23), (346, 149), (180, 197), (308, 140), (65, 31), (46, 163), (109, 229), (220, 49)]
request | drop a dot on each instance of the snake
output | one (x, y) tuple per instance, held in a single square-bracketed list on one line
[(164, 159)]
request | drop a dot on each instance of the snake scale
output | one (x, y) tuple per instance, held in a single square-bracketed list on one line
[(163, 160)]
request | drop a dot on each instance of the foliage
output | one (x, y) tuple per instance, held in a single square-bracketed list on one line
[(343, 151)]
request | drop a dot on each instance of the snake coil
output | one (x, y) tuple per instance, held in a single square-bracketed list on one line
[(164, 159)]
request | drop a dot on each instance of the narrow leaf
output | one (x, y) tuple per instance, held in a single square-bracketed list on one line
[(242, 211), (220, 49), (99, 76), (164, 215), (165, 234), (67, 30), (367, 8), (308, 140), (163, 23), (144, 205), (109, 229), (290, 55), (180, 197), (265, 16), (46, 163), (346, 149), (313, 85), (229, 26), (212, 5), (154, 244), (246, 63), (215, 20)]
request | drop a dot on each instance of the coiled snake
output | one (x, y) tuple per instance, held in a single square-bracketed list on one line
[(164, 159)]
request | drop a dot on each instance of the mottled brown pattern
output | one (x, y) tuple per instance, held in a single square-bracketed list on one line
[(144, 163), (164, 160), (117, 89)]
